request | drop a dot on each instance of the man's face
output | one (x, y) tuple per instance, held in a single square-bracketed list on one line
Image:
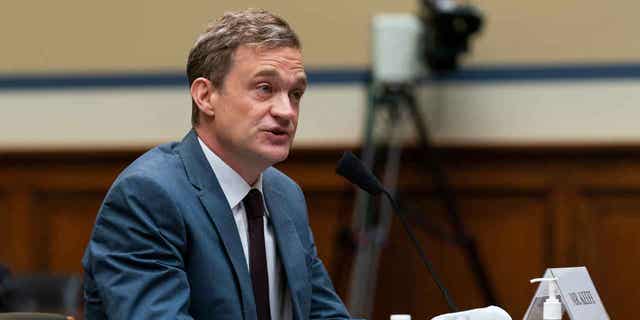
[(256, 109)]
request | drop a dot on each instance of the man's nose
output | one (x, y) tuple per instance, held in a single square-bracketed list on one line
[(284, 108)]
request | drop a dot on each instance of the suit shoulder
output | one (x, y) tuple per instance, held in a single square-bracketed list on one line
[(279, 179), (160, 165), (147, 188)]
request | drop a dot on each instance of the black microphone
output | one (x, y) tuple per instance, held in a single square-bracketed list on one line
[(357, 173)]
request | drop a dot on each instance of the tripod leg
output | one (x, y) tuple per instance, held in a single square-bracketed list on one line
[(373, 229), (443, 188), (359, 300)]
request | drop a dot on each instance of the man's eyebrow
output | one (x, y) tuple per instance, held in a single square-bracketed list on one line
[(272, 73), (266, 73)]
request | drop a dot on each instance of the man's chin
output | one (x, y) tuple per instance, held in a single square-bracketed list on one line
[(275, 155)]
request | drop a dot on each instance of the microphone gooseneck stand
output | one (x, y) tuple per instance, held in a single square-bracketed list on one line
[(357, 173), (371, 231)]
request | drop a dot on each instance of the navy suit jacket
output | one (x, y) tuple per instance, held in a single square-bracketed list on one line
[(165, 245)]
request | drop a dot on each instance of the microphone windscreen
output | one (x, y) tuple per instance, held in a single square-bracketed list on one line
[(355, 171)]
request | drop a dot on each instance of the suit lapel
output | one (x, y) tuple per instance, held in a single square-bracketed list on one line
[(213, 199), (290, 249)]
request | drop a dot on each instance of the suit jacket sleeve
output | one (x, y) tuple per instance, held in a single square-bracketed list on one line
[(135, 255)]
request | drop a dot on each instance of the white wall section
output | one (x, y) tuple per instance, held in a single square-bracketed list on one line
[(461, 113)]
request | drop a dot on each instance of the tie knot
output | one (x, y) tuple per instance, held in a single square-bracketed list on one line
[(253, 204)]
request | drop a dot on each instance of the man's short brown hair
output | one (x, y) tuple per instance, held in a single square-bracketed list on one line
[(212, 55)]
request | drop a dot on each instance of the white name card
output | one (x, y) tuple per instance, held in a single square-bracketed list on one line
[(578, 295)]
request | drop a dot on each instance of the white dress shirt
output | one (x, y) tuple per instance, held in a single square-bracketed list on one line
[(235, 189)]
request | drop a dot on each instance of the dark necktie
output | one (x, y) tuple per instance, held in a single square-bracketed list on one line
[(257, 255)]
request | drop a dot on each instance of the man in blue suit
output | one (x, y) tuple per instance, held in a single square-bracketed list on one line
[(206, 228)]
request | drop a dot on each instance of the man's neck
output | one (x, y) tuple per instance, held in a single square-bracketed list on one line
[(249, 173)]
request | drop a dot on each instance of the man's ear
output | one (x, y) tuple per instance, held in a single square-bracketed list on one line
[(204, 95)]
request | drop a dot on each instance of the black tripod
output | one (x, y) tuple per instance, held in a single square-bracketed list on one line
[(372, 232)]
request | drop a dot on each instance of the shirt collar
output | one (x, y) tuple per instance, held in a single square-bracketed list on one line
[(232, 184)]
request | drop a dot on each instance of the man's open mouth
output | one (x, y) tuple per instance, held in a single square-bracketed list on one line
[(278, 131)]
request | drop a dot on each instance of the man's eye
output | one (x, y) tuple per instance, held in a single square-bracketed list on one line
[(265, 88), (297, 95)]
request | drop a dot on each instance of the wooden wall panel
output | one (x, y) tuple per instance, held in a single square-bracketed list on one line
[(510, 232), (528, 208), (19, 250), (609, 244), (5, 236), (50, 201), (508, 228), (67, 220)]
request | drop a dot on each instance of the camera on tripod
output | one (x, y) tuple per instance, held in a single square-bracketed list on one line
[(448, 26), (405, 46)]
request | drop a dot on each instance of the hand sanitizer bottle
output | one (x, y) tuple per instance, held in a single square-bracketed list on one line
[(552, 308)]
